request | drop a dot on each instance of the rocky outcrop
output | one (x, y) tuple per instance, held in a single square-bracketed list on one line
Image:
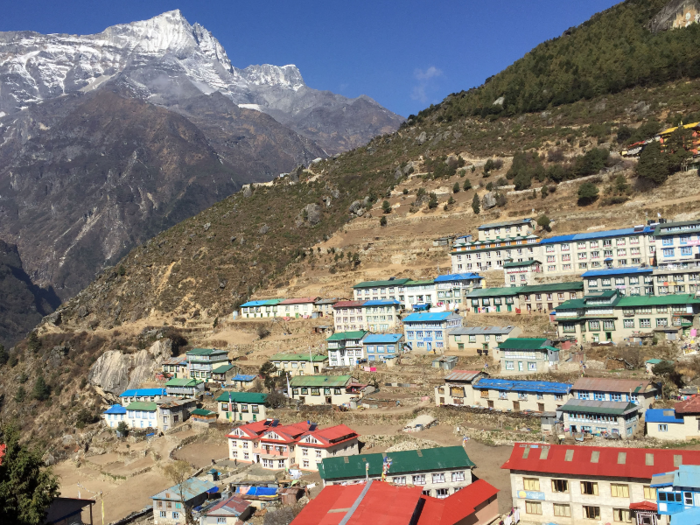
[(114, 372)]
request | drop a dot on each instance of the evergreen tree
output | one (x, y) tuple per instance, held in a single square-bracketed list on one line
[(544, 222), (544, 192), (41, 390), (382, 221), (386, 207), (33, 342), (653, 165), (587, 193), (476, 204), (21, 394), (455, 188), (267, 372), (433, 201), (467, 185), (27, 486)]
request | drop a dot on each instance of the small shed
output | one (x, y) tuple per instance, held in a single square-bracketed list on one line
[(243, 381), (203, 416), (419, 423), (446, 362), (290, 495)]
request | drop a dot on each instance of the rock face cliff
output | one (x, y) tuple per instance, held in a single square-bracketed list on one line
[(114, 371)]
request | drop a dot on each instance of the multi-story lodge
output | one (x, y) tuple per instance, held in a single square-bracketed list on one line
[(522, 273), (678, 243), (376, 290), (504, 229), (480, 340), (348, 315), (602, 418), (201, 362), (607, 316), (641, 392), (418, 293), (457, 389), (676, 424), (452, 289), (299, 307), (440, 471), (428, 331), (629, 281), (345, 348), (380, 347), (527, 355), (380, 315), (324, 390), (474, 256), (242, 406), (299, 364), (572, 485), (260, 308)]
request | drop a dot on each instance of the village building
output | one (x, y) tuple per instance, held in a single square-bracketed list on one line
[(452, 289), (175, 367), (629, 281), (202, 416), (202, 361), (173, 411), (184, 387), (506, 229), (324, 307), (244, 438), (300, 308), (677, 243), (439, 471), (520, 396), (243, 381), (264, 308), (429, 331), (276, 447), (580, 252), (678, 494), (141, 394), (484, 255), (114, 415), (641, 392), (480, 340), (381, 315), (376, 290), (681, 278), (420, 293), (324, 390), (457, 390), (476, 504), (227, 511), (522, 273), (222, 374), (299, 364), (677, 424), (493, 300), (543, 298), (571, 484), (241, 406), (380, 347), (601, 418), (346, 348), (318, 444), (527, 355), (142, 414), (169, 506), (607, 316), (347, 316)]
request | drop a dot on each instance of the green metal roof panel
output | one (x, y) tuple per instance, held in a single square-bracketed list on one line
[(554, 287), (605, 294), (424, 460), (523, 343), (377, 284), (664, 300), (519, 264), (183, 381), (572, 304), (202, 412), (205, 351), (254, 398), (142, 406), (344, 336), (222, 369), (494, 292), (417, 283), (298, 357), (321, 381)]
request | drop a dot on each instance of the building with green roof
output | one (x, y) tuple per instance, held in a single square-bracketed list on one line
[(345, 348), (201, 363), (610, 316), (619, 418), (325, 390), (299, 364), (527, 355), (141, 414), (245, 407), (183, 387), (440, 471)]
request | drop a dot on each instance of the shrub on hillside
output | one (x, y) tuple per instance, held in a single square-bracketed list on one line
[(587, 193)]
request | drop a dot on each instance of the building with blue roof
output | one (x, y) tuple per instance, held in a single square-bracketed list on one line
[(380, 347), (379, 315), (429, 331), (261, 308), (631, 281), (169, 507), (520, 396), (452, 289), (678, 494), (114, 415), (148, 395), (243, 381)]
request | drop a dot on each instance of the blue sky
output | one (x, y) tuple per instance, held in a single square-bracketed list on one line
[(406, 54)]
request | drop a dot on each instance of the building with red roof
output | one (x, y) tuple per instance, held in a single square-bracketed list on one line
[(570, 483), (380, 503), (298, 307), (348, 316), (228, 510), (302, 444)]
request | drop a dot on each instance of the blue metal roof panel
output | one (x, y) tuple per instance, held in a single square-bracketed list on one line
[(615, 271), (457, 277), (244, 377), (255, 303), (595, 235), (428, 316), (146, 392), (382, 338), (382, 302), (508, 385), (115, 409), (661, 415)]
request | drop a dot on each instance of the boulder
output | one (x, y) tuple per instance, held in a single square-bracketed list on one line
[(316, 160), (264, 229), (421, 138), (54, 318), (408, 167), (115, 372), (207, 226), (489, 200), (247, 191), (83, 311), (398, 174), (313, 213), (357, 208)]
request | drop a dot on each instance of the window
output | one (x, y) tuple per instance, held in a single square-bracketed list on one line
[(663, 427), (305, 463), (609, 325), (589, 488), (531, 484), (220, 520), (594, 325), (560, 485), (176, 515), (439, 478), (645, 323), (399, 480), (619, 490), (163, 514), (419, 479), (458, 476), (649, 493), (591, 513), (532, 366), (533, 507), (318, 453), (688, 498), (442, 493), (661, 321), (562, 510), (628, 323), (622, 515)]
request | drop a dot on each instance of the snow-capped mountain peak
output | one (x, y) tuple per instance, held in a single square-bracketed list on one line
[(287, 76)]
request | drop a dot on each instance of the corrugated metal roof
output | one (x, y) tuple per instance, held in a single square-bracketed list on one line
[(507, 385), (689, 406), (583, 461), (202, 412), (142, 406), (662, 415), (553, 287), (462, 375), (422, 282), (614, 408), (382, 338), (222, 369), (494, 292), (457, 507), (514, 222), (345, 336), (664, 300), (298, 357), (300, 300), (262, 302), (615, 271), (192, 488), (424, 460), (602, 384), (242, 397), (143, 392), (321, 381), (482, 330), (205, 351), (183, 381), (428, 316), (596, 235), (244, 377), (115, 409), (377, 284), (382, 302), (519, 264), (457, 277), (348, 304), (328, 301), (523, 343)]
